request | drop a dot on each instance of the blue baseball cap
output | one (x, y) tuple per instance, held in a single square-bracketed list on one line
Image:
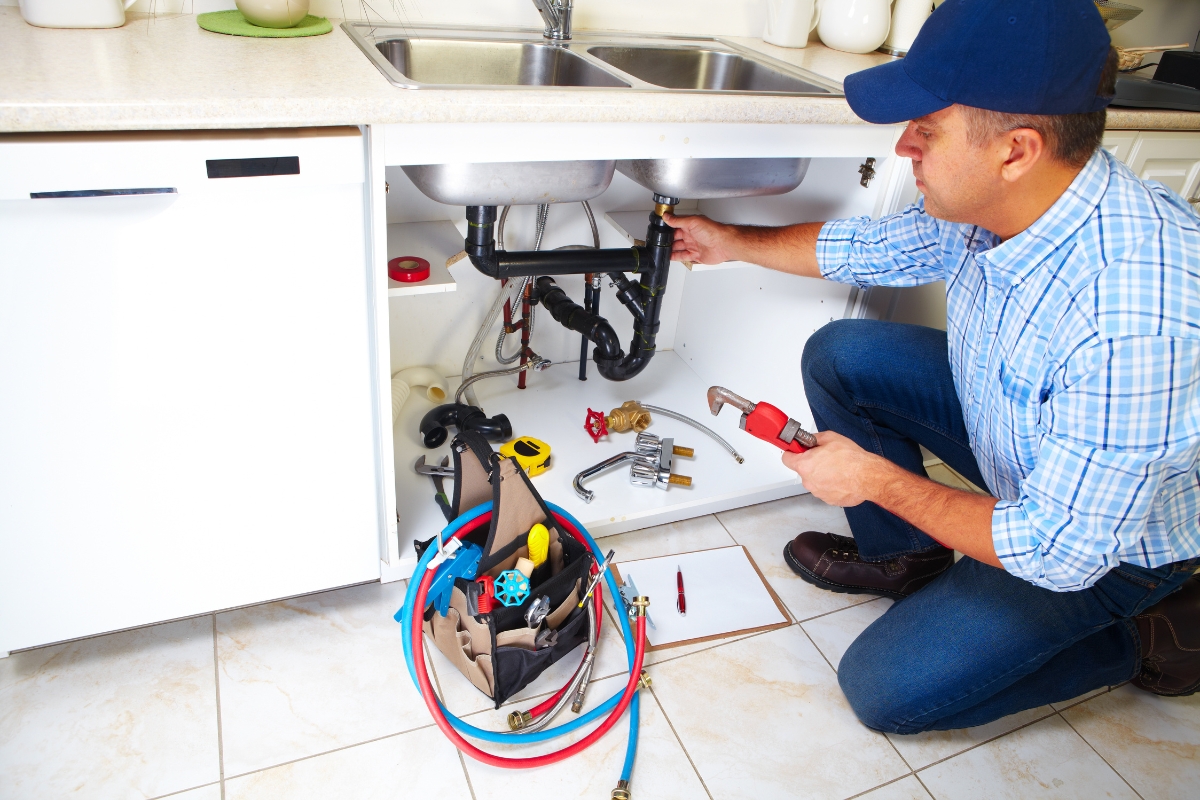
[(1013, 56)]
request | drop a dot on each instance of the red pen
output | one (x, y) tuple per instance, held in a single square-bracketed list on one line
[(681, 601)]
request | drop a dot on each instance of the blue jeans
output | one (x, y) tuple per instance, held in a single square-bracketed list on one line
[(978, 643)]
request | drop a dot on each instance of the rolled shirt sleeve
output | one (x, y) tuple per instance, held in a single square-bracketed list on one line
[(1118, 443), (903, 249)]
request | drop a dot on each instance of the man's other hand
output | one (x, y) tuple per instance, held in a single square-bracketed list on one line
[(836, 471), (700, 240)]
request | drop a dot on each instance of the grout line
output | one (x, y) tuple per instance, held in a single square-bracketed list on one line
[(923, 786), (184, 791), (466, 774), (1097, 752), (908, 774), (682, 746), (333, 750), (217, 685), (981, 744)]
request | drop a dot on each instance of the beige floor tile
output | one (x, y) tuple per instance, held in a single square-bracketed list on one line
[(1154, 742), (834, 633), (210, 792), (662, 770), (904, 789), (765, 529), (130, 714), (685, 536), (1076, 701), (922, 749), (763, 717), (1047, 759), (419, 764), (313, 674)]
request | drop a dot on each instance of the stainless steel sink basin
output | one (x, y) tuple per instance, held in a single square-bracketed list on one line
[(701, 68), (423, 57), (710, 178), (464, 62), (512, 183)]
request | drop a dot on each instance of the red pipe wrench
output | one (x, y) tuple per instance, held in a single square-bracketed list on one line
[(763, 420)]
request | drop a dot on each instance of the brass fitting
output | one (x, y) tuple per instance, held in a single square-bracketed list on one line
[(644, 680), (663, 208), (640, 604), (630, 416), (686, 452), (519, 719), (622, 791), (680, 480)]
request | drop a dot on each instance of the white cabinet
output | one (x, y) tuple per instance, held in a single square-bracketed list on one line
[(1169, 157), (187, 410)]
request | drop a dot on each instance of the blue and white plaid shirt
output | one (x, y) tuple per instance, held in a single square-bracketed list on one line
[(1075, 349)]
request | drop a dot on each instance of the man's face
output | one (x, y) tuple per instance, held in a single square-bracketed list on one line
[(954, 175)]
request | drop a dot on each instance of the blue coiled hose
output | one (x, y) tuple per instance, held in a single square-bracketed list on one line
[(404, 617)]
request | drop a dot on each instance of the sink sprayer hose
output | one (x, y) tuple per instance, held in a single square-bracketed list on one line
[(454, 728)]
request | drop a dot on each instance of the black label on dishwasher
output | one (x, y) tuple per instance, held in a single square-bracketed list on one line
[(253, 167)]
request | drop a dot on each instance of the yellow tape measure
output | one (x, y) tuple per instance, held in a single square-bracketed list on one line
[(532, 454)]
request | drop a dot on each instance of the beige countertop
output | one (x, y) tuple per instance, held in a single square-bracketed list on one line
[(159, 73)]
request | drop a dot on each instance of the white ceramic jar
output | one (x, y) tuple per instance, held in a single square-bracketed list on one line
[(273, 13), (75, 13), (854, 26), (789, 22)]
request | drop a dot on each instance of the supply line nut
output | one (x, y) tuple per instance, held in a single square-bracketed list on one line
[(644, 681), (640, 604), (622, 791), (519, 719)]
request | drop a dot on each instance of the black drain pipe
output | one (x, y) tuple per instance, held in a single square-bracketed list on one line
[(643, 300)]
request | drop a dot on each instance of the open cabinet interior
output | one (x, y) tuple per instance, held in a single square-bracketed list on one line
[(735, 325)]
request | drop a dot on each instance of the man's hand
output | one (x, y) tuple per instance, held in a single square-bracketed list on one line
[(700, 240), (792, 248), (841, 473), (835, 470)]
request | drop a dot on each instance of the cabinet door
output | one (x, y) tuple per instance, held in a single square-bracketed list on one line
[(1119, 143), (186, 412), (1169, 157)]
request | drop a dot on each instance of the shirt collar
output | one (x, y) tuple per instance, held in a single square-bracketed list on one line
[(1024, 252)]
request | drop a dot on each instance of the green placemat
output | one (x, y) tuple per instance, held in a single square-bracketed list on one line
[(234, 24)]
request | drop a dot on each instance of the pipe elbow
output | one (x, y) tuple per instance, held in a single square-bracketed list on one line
[(622, 369), (435, 424), (485, 260)]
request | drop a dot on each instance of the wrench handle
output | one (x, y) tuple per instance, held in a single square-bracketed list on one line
[(766, 422)]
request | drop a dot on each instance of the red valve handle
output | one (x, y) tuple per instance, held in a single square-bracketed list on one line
[(766, 422), (595, 425)]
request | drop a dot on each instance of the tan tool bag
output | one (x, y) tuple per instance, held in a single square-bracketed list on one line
[(499, 652)]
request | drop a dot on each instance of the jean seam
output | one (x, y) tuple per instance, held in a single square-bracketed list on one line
[(913, 419), (1015, 667), (912, 529)]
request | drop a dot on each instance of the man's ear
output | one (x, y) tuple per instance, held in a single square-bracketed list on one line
[(1026, 147)]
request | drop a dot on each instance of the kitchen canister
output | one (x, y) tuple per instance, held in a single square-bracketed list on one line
[(907, 18), (790, 21), (854, 26), (75, 13)]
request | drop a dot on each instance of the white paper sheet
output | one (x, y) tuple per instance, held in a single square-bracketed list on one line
[(724, 594)]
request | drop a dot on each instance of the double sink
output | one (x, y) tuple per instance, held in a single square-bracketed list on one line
[(431, 58), (417, 58)]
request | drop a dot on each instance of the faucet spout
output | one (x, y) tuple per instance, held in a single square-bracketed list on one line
[(557, 16)]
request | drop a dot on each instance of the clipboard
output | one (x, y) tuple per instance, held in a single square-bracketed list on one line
[(725, 591)]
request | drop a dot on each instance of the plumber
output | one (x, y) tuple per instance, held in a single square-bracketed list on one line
[(1067, 385)]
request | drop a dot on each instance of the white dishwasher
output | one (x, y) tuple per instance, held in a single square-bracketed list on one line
[(187, 382)]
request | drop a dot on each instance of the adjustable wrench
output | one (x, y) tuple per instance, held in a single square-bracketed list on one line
[(763, 420), (437, 473)]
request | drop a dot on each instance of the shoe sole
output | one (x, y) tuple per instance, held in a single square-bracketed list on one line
[(821, 583)]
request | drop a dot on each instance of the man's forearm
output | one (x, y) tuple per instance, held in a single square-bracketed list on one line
[(792, 248), (958, 519)]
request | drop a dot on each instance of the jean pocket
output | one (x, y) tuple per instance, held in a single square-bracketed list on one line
[(1142, 576)]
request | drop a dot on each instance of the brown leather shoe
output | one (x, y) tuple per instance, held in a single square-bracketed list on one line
[(832, 562), (1170, 634)]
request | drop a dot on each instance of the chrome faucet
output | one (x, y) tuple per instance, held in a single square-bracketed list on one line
[(557, 16)]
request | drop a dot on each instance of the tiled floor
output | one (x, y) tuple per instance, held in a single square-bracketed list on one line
[(308, 698)]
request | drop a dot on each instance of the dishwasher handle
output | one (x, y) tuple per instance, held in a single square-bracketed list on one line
[(102, 193)]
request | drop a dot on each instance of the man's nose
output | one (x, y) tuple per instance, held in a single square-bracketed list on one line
[(906, 146)]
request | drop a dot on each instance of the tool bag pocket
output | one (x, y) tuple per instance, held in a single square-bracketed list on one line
[(498, 651)]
